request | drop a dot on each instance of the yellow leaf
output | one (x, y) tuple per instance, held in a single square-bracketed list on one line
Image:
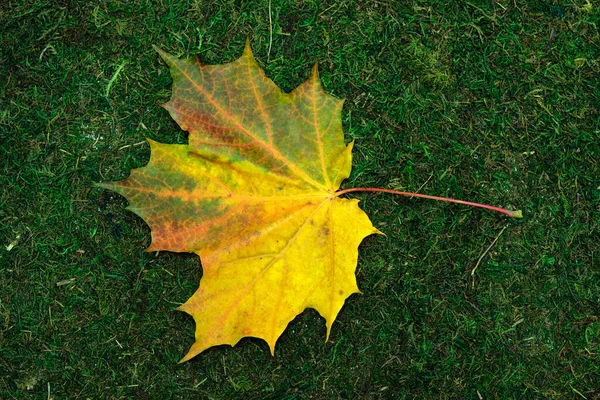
[(254, 195)]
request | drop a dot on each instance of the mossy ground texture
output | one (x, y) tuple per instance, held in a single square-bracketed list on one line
[(496, 102)]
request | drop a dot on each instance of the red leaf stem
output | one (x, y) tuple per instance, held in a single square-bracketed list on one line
[(510, 213)]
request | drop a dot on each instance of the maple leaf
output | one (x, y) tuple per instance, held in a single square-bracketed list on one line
[(254, 195)]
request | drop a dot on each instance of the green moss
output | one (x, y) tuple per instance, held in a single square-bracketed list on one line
[(483, 101)]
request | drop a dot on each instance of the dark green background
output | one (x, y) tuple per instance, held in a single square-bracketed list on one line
[(490, 101)]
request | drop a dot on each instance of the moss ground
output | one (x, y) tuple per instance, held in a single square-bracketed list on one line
[(491, 101)]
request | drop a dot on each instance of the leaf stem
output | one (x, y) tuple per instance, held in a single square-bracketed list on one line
[(510, 213)]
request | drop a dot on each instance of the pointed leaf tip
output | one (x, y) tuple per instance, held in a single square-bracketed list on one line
[(272, 349), (164, 55), (248, 47)]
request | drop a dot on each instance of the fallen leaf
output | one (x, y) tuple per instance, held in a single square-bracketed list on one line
[(254, 195)]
